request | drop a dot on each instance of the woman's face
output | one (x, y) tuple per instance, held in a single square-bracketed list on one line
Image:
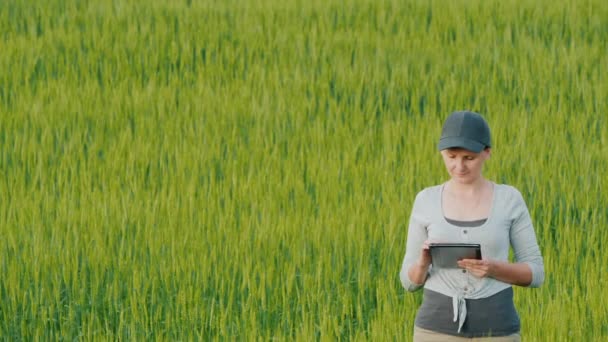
[(463, 165)]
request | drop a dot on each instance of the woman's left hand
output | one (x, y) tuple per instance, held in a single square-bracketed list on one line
[(479, 268)]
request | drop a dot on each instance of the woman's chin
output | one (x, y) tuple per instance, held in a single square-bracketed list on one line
[(464, 179)]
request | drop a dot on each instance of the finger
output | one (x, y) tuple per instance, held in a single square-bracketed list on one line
[(463, 264), (475, 262), (467, 262)]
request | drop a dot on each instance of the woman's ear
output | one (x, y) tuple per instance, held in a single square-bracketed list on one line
[(488, 151)]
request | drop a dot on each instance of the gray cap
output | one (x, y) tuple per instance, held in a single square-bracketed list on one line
[(466, 130)]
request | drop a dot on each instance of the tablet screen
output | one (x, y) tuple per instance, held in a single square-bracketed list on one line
[(446, 255)]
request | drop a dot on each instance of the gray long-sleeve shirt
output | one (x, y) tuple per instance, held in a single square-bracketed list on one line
[(509, 225)]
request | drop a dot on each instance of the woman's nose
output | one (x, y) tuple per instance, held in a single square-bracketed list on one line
[(460, 164)]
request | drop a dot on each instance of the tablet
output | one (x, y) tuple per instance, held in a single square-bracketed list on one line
[(445, 255)]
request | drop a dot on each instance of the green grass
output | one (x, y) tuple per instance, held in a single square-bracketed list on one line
[(245, 170)]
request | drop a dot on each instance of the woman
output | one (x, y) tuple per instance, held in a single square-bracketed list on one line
[(476, 299)]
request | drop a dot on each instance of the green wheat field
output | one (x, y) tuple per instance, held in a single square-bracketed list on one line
[(244, 170)]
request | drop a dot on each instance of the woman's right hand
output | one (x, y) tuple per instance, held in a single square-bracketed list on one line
[(419, 271), (425, 255)]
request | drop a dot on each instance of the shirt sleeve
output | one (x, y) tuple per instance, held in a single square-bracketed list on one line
[(524, 243), (416, 235)]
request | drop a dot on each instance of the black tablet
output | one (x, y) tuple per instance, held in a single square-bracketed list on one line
[(445, 255)]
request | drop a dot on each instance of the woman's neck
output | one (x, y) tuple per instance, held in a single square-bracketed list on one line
[(468, 188)]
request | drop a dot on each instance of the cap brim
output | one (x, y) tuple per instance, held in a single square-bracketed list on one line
[(460, 142)]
